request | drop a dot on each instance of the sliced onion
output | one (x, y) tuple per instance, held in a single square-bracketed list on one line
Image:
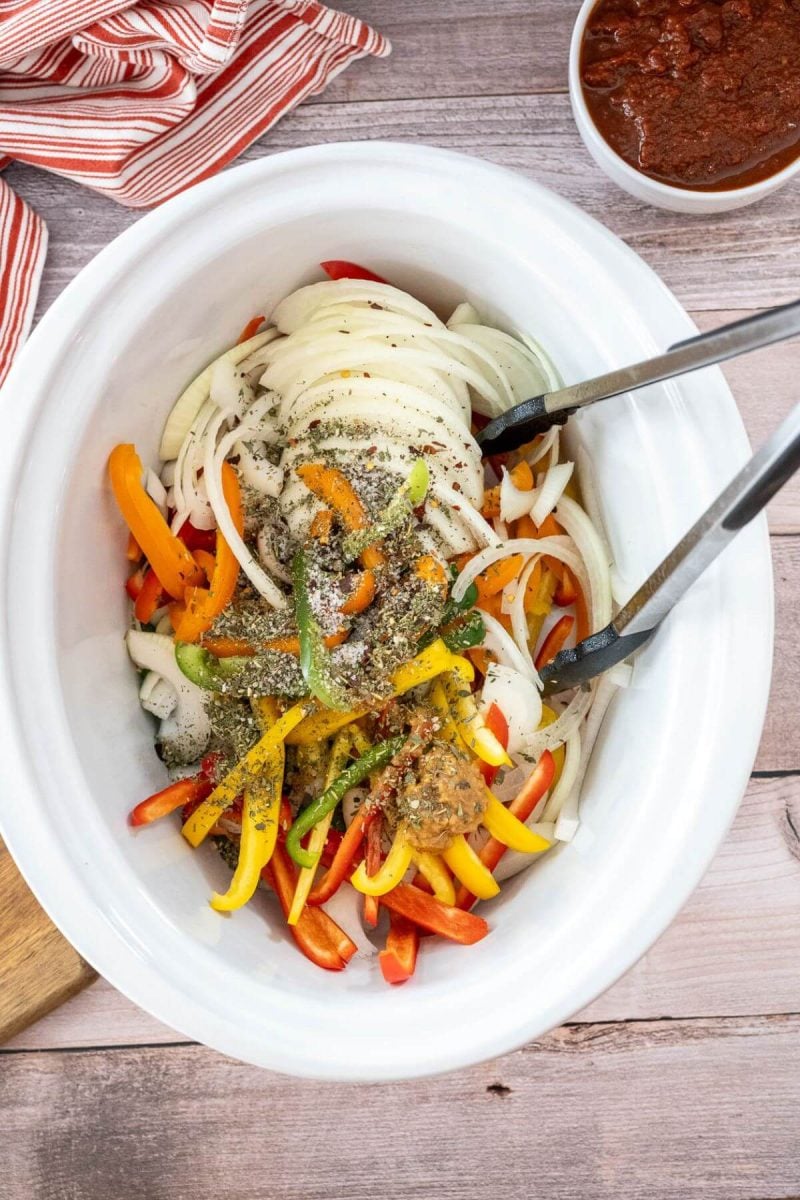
[(604, 691), (259, 472), (268, 556), (504, 648), (562, 728), (156, 490), (296, 309), (550, 491), (594, 555), (463, 314), (518, 699), (161, 698), (514, 502), (188, 728), (467, 513), (190, 402), (212, 478), (519, 622), (548, 444), (591, 497), (168, 474), (567, 779), (557, 547)]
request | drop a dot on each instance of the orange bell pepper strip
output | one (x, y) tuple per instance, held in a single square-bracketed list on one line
[(361, 596), (251, 329), (332, 487), (429, 913), (149, 597), (167, 555), (372, 864), (495, 577), (554, 641), (523, 804), (321, 525), (316, 934), (399, 959), (203, 605), (223, 647), (133, 552)]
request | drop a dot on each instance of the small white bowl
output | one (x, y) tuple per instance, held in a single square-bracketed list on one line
[(662, 195), (675, 750)]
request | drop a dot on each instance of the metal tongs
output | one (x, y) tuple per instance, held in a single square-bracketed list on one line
[(744, 497)]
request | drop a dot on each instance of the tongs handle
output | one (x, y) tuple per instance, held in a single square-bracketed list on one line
[(744, 497), (522, 422)]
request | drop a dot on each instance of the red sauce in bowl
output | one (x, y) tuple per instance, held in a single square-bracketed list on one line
[(702, 94)]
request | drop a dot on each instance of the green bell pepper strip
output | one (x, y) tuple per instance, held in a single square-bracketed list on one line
[(407, 497), (468, 633), (374, 758), (315, 660), (203, 668)]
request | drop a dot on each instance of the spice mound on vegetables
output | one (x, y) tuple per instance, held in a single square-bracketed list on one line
[(340, 612)]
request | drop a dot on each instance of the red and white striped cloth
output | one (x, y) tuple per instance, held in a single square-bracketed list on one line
[(141, 98)]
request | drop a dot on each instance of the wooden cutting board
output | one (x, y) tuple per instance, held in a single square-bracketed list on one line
[(38, 968)]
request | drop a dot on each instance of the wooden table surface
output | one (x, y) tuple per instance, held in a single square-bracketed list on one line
[(684, 1079)]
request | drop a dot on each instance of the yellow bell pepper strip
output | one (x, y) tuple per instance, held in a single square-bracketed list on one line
[(267, 711), (397, 862), (429, 913), (560, 752), (376, 757), (501, 823), (166, 553), (430, 662), (432, 869), (336, 764), (538, 782), (260, 815), (469, 870), (204, 605), (236, 781), (469, 722), (497, 724)]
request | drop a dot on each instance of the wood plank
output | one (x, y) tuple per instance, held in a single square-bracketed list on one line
[(734, 260), (734, 950), (643, 1111), (39, 969), (461, 48), (780, 742)]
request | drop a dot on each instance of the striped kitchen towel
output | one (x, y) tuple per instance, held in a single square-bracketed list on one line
[(141, 98)]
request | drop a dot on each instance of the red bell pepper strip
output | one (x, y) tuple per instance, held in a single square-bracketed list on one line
[(251, 329), (342, 866), (133, 584), (554, 641), (317, 935), (197, 539), (523, 804), (498, 725), (185, 791), (332, 843), (566, 592), (372, 861), (337, 268), (149, 598), (429, 913), (398, 960)]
